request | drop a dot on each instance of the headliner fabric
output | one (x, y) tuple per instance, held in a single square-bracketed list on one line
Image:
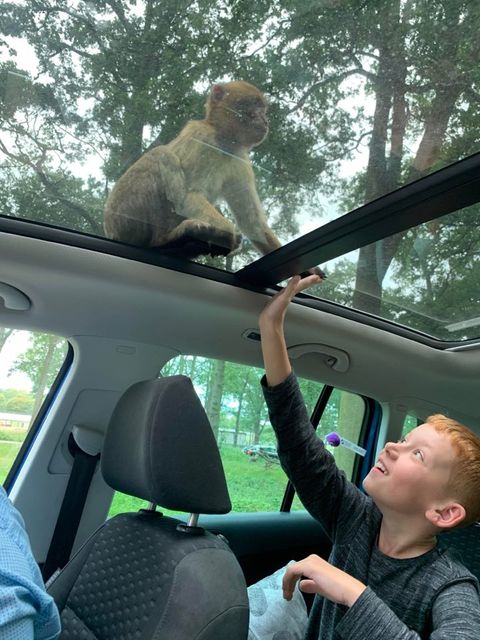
[(160, 447)]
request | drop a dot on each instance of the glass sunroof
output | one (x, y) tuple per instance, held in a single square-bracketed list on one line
[(360, 99), (427, 278)]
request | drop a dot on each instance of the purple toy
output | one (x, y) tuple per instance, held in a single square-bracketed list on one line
[(334, 439)]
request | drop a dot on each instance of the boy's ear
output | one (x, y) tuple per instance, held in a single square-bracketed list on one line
[(446, 517)]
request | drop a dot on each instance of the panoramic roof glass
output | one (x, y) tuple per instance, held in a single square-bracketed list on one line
[(302, 111), (426, 278)]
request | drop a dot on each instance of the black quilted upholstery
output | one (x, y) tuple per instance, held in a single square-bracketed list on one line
[(464, 544), (126, 581), (138, 577)]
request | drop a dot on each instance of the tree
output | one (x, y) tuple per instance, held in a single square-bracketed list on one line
[(214, 394), (4, 336), (41, 362), (16, 401), (416, 62)]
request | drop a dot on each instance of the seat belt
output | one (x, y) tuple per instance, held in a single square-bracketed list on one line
[(85, 461)]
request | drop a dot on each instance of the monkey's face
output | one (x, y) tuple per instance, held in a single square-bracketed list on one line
[(252, 120), (238, 111)]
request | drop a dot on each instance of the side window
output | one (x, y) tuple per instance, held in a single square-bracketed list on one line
[(233, 400), (411, 422), (344, 414), (29, 364)]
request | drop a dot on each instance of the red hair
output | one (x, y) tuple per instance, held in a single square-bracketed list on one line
[(465, 475)]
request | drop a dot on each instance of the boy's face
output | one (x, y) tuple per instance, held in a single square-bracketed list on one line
[(412, 475)]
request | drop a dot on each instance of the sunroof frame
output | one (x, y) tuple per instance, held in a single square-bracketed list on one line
[(445, 191)]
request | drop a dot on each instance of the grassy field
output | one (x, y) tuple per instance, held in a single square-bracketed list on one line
[(253, 486), (8, 451)]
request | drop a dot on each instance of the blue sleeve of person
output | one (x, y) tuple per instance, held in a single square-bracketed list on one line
[(27, 612)]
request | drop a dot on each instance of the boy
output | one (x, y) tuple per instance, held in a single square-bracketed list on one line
[(385, 578)]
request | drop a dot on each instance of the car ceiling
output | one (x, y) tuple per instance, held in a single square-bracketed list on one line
[(77, 291)]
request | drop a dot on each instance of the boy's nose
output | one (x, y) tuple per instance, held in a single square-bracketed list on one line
[(391, 450)]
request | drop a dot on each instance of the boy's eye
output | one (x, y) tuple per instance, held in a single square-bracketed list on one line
[(402, 440), (418, 454)]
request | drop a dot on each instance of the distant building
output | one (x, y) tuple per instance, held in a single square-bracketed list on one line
[(15, 420), (227, 436)]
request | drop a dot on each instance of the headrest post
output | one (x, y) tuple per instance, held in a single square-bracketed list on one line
[(151, 506), (192, 520), (191, 527)]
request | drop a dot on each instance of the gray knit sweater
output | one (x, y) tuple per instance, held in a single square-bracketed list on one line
[(430, 596)]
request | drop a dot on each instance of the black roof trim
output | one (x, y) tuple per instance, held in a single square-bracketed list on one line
[(447, 190)]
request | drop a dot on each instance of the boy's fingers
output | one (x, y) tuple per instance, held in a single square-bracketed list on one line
[(308, 586), (290, 578), (308, 282)]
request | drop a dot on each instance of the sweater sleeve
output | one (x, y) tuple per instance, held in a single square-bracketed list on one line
[(321, 486), (455, 614)]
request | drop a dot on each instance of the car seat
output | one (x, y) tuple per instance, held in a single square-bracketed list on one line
[(144, 575), (464, 544)]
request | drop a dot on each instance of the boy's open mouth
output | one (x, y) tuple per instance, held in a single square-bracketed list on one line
[(381, 467)]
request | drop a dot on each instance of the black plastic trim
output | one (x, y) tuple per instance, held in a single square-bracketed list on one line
[(447, 190)]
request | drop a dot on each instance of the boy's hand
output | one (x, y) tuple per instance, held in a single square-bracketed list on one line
[(319, 576), (274, 312)]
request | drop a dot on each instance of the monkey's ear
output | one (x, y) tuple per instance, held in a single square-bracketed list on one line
[(217, 92)]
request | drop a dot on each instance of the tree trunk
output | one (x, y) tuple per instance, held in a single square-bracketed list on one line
[(132, 141), (215, 395), (368, 285), (43, 377), (258, 426), (374, 260), (239, 410)]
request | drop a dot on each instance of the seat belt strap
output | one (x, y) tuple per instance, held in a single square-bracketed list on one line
[(70, 513)]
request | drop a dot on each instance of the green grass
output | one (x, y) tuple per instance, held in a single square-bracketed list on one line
[(13, 434), (8, 452)]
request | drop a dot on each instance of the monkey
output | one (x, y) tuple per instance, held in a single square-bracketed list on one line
[(167, 198)]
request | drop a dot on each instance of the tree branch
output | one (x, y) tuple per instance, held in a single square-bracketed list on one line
[(49, 184), (336, 78)]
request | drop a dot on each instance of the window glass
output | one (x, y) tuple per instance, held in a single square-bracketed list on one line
[(410, 422), (426, 278), (343, 415), (363, 98), (29, 364), (233, 399)]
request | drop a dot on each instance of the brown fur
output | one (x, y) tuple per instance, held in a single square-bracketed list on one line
[(167, 198)]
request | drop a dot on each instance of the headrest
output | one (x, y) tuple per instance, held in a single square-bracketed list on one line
[(160, 447)]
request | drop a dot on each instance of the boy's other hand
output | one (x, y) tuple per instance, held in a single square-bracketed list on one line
[(274, 312), (316, 575)]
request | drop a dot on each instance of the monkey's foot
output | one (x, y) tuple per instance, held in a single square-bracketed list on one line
[(201, 239), (190, 248)]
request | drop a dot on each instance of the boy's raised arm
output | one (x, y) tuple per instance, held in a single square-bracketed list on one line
[(271, 321)]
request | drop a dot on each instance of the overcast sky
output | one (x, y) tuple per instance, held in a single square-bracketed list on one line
[(15, 345)]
